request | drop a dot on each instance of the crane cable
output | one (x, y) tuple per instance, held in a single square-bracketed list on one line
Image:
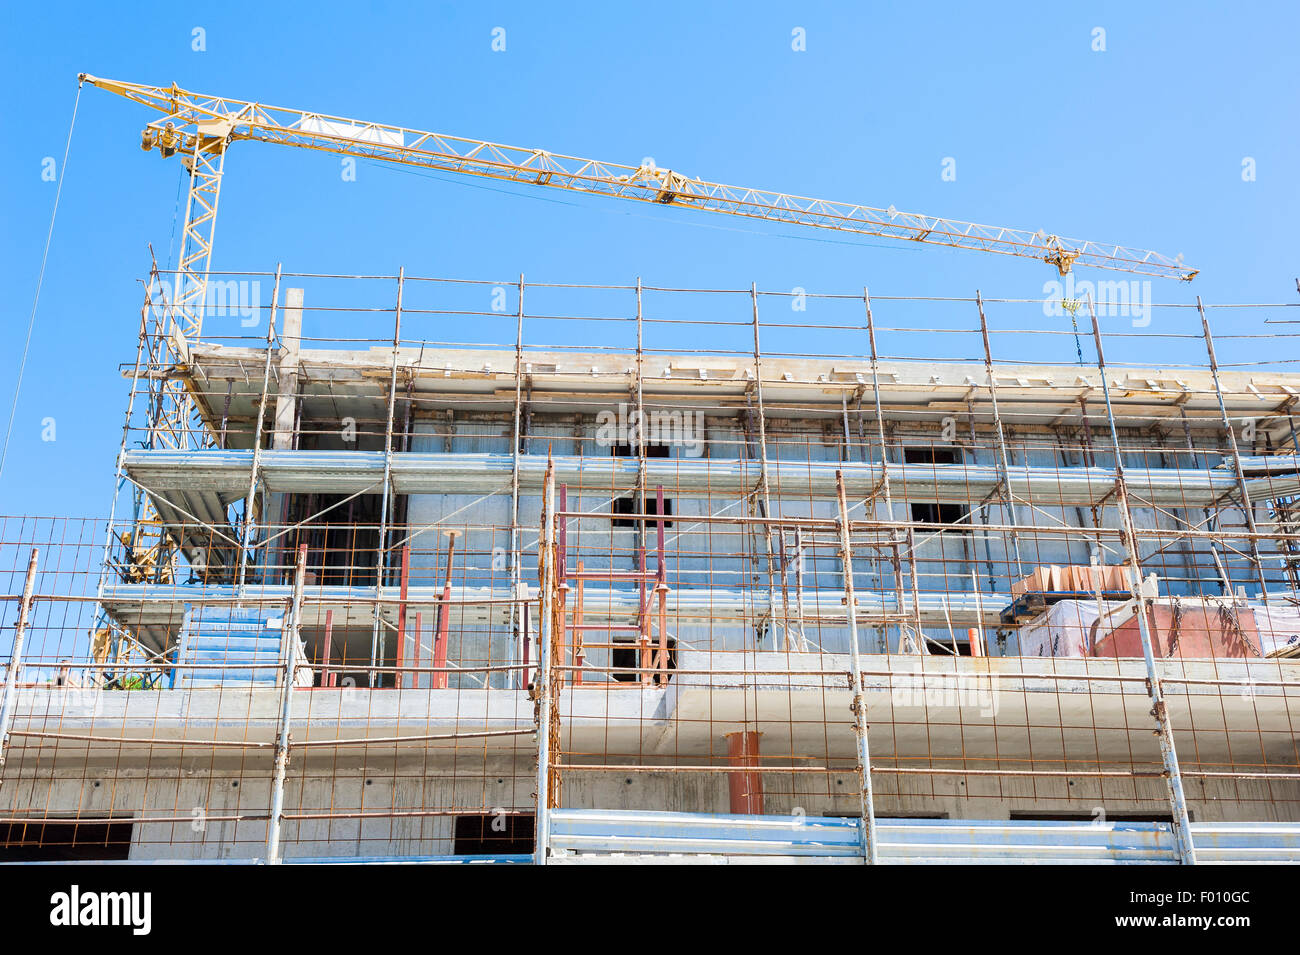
[(40, 281), (1072, 305)]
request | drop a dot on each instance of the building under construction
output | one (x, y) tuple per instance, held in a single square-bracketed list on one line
[(444, 569)]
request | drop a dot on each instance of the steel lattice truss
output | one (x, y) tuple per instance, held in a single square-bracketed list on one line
[(201, 125)]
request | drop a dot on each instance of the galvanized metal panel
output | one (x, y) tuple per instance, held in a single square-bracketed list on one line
[(588, 835)]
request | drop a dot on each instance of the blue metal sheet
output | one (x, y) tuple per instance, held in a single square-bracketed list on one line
[(593, 834), (233, 645)]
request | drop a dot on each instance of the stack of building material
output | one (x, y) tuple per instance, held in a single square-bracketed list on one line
[(1073, 578), (1034, 596), (1195, 628), (233, 645)]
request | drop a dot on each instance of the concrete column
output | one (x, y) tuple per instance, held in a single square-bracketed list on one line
[(286, 402), (286, 409), (746, 789)]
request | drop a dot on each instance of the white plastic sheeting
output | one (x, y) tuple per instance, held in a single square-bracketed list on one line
[(1063, 630), (1279, 630)]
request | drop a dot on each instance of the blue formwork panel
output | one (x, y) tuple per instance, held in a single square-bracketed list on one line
[(231, 645), (217, 643), (251, 619)]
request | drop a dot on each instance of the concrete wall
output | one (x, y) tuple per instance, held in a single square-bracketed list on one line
[(431, 793)]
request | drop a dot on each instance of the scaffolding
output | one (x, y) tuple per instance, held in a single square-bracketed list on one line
[(663, 571)]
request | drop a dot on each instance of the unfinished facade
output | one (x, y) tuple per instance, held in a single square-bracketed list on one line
[(444, 569)]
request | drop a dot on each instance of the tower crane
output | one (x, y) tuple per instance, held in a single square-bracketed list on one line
[(200, 128)]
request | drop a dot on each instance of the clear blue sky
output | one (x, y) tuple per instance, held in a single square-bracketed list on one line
[(1141, 144)]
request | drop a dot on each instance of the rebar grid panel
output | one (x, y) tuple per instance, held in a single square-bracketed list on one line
[(700, 630), (111, 727)]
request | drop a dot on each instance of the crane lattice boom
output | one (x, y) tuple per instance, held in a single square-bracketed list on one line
[(202, 126)]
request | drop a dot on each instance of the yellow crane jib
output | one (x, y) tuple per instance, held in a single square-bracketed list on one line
[(201, 126)]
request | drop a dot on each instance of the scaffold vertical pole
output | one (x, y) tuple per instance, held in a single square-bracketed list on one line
[(516, 580), (1004, 458), (376, 638), (289, 639), (638, 495), (1159, 712), (765, 501), (866, 805), (246, 531), (894, 558), (546, 559), (16, 657)]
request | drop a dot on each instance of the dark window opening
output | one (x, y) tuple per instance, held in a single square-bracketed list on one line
[(342, 537), (480, 835), (627, 655), (629, 503), (963, 649), (64, 841), (651, 451), (929, 512), (1029, 815), (932, 454), (932, 512)]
